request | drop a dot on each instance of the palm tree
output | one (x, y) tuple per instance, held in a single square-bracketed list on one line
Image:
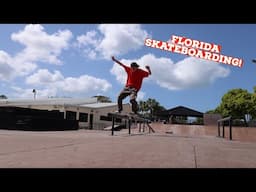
[(143, 107), (150, 105)]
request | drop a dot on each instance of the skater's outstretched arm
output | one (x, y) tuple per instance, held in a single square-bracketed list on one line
[(149, 70), (114, 59)]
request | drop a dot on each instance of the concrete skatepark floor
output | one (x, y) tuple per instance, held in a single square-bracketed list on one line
[(171, 146)]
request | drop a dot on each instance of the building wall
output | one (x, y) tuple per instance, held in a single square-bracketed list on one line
[(96, 112), (211, 119)]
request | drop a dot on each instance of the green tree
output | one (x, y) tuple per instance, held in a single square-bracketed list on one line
[(199, 121), (253, 110), (150, 107), (143, 107), (237, 103), (254, 89), (213, 111), (103, 99)]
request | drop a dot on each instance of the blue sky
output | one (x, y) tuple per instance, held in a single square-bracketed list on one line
[(73, 60)]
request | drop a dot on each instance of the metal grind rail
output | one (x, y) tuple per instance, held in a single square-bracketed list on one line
[(222, 121), (128, 121)]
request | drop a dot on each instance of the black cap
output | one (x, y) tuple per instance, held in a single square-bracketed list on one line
[(133, 64)]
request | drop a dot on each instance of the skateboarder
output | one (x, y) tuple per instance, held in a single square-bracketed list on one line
[(133, 84)]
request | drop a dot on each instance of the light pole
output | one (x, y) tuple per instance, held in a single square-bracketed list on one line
[(34, 91)]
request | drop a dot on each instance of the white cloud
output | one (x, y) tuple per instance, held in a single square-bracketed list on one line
[(141, 95), (11, 67), (88, 39), (22, 67), (43, 76), (84, 83), (112, 39), (56, 81), (6, 70), (193, 72), (188, 73), (40, 46)]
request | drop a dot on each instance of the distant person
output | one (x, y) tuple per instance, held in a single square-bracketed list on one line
[(133, 84)]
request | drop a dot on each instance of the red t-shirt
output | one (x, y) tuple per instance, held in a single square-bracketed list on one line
[(134, 78)]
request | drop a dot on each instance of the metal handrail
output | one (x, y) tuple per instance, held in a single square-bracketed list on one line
[(226, 119)]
